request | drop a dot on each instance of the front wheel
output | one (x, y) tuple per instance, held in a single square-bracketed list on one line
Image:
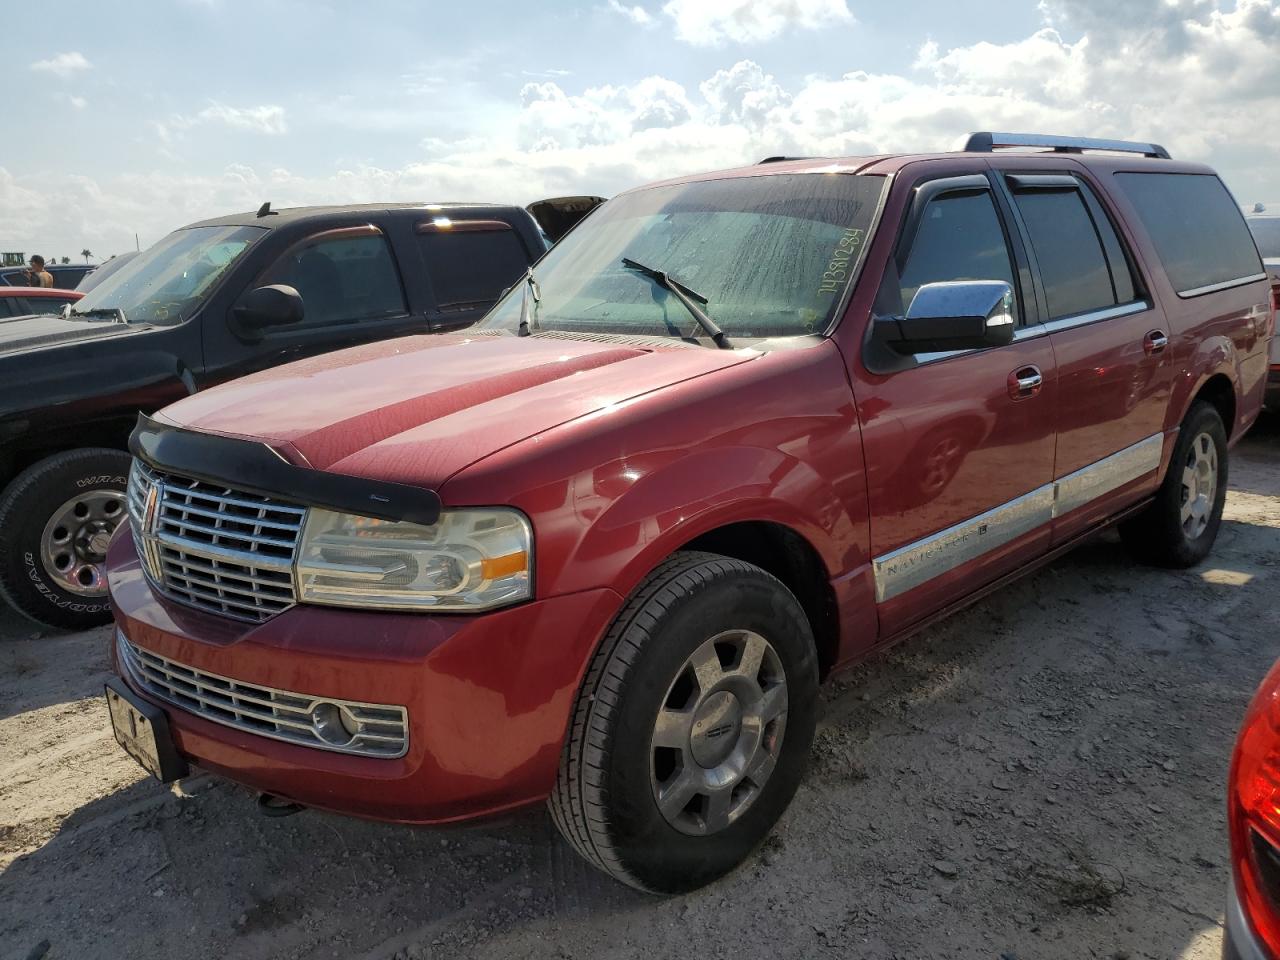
[(1180, 526), (56, 519), (693, 726)]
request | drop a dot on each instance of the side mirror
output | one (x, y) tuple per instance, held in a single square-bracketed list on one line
[(275, 305), (956, 315)]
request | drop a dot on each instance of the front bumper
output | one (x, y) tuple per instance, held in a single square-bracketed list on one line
[(1238, 941), (488, 696)]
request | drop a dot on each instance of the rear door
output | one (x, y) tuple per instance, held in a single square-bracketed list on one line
[(1111, 343), (959, 445), (469, 264)]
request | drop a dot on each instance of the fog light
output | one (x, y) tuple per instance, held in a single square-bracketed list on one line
[(333, 724)]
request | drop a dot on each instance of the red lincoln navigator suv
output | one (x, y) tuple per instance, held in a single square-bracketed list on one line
[(734, 432)]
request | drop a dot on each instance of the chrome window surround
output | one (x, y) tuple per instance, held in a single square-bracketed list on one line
[(1224, 285), (916, 563), (376, 730)]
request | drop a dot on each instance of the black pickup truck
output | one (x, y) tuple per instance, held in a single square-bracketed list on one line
[(210, 302)]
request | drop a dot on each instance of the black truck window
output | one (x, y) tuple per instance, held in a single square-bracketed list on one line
[(343, 275), (1196, 227), (469, 268)]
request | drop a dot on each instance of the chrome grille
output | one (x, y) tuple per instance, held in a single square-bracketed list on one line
[(214, 547), (367, 729)]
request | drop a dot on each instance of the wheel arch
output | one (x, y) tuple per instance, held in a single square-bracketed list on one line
[(786, 554)]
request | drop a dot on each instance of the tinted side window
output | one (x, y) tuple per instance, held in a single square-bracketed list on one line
[(1068, 250), (959, 238), (467, 269), (1196, 227), (1266, 231), (342, 279)]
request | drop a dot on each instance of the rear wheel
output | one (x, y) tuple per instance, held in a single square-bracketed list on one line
[(56, 519), (1179, 528), (692, 729)]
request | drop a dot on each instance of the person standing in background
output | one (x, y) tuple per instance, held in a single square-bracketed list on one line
[(36, 275)]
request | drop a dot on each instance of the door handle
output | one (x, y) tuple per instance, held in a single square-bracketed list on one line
[(1155, 342), (1025, 382)]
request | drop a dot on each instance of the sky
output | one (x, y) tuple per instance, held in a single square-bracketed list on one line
[(138, 117)]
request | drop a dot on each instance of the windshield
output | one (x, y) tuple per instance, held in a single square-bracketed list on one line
[(166, 282), (1266, 232), (771, 255)]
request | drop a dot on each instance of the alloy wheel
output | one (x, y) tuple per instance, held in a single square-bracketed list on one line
[(717, 736), (1199, 485)]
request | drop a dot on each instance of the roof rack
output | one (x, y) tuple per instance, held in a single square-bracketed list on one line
[(986, 142), (780, 159)]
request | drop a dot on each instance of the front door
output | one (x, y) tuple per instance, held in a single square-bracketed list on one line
[(959, 446)]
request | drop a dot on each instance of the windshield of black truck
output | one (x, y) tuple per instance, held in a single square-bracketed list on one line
[(772, 255), (167, 282), (1266, 233)]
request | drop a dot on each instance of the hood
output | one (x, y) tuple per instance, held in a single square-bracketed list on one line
[(419, 409), (19, 334)]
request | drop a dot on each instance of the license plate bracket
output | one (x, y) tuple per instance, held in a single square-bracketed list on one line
[(142, 729)]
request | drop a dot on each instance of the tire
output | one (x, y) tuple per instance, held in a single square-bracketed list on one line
[(606, 797), (41, 528), (1163, 534)]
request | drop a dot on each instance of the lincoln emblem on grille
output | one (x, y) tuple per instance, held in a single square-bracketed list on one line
[(150, 526)]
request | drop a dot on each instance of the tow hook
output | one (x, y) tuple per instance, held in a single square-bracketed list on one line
[(269, 805)]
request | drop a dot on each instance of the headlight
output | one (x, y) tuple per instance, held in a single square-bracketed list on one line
[(468, 560)]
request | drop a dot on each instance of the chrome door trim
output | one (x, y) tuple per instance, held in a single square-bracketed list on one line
[(1100, 478), (1225, 285), (918, 562), (1097, 316)]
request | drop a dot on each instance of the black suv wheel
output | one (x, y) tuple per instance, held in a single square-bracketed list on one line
[(56, 518)]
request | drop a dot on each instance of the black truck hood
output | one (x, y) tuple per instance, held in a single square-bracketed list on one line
[(18, 334)]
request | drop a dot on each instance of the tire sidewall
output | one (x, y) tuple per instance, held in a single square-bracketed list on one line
[(1203, 419), (25, 509), (655, 853)]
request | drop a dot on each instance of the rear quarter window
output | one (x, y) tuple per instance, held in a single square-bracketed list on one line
[(1196, 227)]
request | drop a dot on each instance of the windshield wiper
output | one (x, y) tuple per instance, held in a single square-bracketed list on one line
[(529, 284), (685, 296), (115, 312)]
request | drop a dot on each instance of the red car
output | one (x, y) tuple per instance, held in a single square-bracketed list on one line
[(1253, 818), (730, 435), (28, 301)]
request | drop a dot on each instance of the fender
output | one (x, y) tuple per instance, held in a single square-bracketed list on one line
[(666, 509), (1212, 356)]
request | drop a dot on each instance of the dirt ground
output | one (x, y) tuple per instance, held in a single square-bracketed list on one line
[(1039, 777)]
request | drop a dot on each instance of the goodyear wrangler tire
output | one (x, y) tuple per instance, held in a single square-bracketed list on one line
[(693, 726), (55, 520)]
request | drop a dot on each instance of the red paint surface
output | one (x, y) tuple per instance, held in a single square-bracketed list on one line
[(621, 455)]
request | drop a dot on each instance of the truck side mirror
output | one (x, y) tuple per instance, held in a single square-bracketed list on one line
[(956, 315), (274, 305)]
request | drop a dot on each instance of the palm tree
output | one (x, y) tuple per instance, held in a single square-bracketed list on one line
[(86, 254)]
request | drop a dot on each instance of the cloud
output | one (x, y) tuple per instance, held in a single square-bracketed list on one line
[(267, 119), (1071, 76), (636, 14), (64, 65), (712, 24)]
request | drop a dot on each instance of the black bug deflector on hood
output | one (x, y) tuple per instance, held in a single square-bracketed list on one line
[(255, 467)]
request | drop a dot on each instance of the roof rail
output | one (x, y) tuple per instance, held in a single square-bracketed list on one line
[(988, 142), (780, 159)]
